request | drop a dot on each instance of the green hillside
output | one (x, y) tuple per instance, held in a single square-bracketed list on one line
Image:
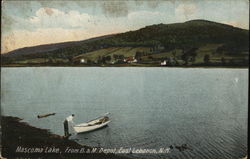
[(193, 43)]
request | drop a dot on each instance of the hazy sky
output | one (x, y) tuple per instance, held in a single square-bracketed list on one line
[(29, 23)]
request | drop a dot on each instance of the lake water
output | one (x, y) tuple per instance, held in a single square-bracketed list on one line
[(150, 108)]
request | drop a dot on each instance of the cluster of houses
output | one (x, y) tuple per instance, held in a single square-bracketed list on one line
[(130, 59), (186, 57)]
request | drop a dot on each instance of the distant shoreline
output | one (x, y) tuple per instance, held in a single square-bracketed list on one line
[(126, 65)]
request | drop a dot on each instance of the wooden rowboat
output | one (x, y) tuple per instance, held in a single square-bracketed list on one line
[(92, 124)]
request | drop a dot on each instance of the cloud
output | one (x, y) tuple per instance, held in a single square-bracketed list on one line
[(53, 18), (123, 8), (115, 8), (142, 18), (142, 14), (7, 22), (139, 19), (49, 11), (185, 11)]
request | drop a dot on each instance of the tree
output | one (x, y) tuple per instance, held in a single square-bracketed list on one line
[(206, 59), (184, 57), (89, 61), (223, 61), (103, 60), (108, 58), (121, 56), (99, 60), (150, 57), (115, 56), (51, 60), (138, 55), (70, 59)]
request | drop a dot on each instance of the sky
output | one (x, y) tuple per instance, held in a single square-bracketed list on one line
[(29, 23)]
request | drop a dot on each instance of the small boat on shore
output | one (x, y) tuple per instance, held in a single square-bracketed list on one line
[(45, 115), (90, 125)]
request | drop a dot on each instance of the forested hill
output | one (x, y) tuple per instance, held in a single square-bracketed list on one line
[(182, 42)]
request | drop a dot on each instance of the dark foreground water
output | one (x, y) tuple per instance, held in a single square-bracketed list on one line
[(150, 108)]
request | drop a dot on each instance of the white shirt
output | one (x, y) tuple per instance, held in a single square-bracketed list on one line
[(70, 118)]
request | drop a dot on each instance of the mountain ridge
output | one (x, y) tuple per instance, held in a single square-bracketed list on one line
[(109, 35), (56, 45), (224, 41)]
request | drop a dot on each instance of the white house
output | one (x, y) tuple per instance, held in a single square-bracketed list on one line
[(130, 59), (164, 63), (82, 61)]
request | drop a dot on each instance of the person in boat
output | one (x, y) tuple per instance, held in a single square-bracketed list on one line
[(66, 125)]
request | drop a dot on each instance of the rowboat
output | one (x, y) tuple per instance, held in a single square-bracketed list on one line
[(45, 115), (91, 125)]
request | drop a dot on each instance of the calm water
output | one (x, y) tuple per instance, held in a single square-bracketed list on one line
[(150, 107)]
